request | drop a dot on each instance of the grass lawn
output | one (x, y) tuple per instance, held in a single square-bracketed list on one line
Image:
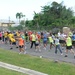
[(39, 64), (4, 71)]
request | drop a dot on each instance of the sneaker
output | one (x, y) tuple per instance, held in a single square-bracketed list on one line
[(20, 52), (11, 48), (17, 47), (66, 56), (61, 53), (25, 52), (44, 48)]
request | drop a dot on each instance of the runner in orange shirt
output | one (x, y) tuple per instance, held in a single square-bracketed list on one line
[(38, 36), (21, 44)]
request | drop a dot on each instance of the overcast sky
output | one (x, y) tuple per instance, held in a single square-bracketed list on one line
[(11, 7)]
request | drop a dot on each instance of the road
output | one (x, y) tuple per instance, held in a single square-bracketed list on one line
[(49, 54)]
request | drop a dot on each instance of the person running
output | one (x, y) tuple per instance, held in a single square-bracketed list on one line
[(29, 35), (57, 45), (33, 39), (45, 38), (73, 39), (37, 44), (69, 46), (1, 37), (38, 36), (13, 42), (10, 35), (51, 41), (21, 44), (18, 33), (26, 36), (61, 39), (5, 37)]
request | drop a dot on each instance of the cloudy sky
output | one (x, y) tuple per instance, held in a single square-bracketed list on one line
[(27, 7)]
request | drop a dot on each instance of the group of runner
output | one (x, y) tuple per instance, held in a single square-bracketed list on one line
[(18, 39)]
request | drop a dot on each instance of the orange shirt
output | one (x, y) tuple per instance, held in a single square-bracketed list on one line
[(38, 36), (21, 41), (29, 33)]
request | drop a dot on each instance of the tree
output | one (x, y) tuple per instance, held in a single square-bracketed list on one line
[(56, 15), (36, 19), (19, 16)]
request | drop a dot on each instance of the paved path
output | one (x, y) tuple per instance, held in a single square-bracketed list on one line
[(20, 69), (45, 53)]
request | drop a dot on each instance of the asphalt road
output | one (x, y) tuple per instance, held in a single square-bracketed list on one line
[(49, 54)]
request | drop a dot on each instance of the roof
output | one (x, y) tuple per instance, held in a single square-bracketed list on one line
[(7, 21)]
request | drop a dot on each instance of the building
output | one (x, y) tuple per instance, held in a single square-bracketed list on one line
[(4, 24)]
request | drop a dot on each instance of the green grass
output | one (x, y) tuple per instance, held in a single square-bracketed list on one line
[(32, 62), (4, 71)]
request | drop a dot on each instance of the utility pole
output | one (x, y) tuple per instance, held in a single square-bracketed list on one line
[(9, 21)]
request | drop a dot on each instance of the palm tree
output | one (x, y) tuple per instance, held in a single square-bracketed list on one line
[(19, 16)]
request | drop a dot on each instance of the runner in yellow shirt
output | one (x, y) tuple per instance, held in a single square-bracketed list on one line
[(51, 41), (33, 39), (5, 37), (69, 46), (10, 35), (13, 42)]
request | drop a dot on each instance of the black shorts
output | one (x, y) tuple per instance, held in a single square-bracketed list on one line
[(21, 46), (36, 44), (13, 43), (44, 41), (62, 41), (0, 38), (69, 47), (51, 43)]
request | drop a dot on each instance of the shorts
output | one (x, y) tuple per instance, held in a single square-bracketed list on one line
[(51, 43), (69, 47), (36, 44), (21, 46), (62, 41), (0, 38), (44, 41), (13, 43)]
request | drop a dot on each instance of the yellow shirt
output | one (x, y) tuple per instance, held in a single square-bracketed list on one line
[(50, 39), (5, 34), (33, 37), (10, 35), (13, 40), (69, 41), (18, 34)]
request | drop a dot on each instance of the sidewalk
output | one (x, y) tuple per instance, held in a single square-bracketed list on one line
[(20, 69)]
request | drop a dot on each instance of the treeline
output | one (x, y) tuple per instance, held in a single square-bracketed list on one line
[(54, 15)]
